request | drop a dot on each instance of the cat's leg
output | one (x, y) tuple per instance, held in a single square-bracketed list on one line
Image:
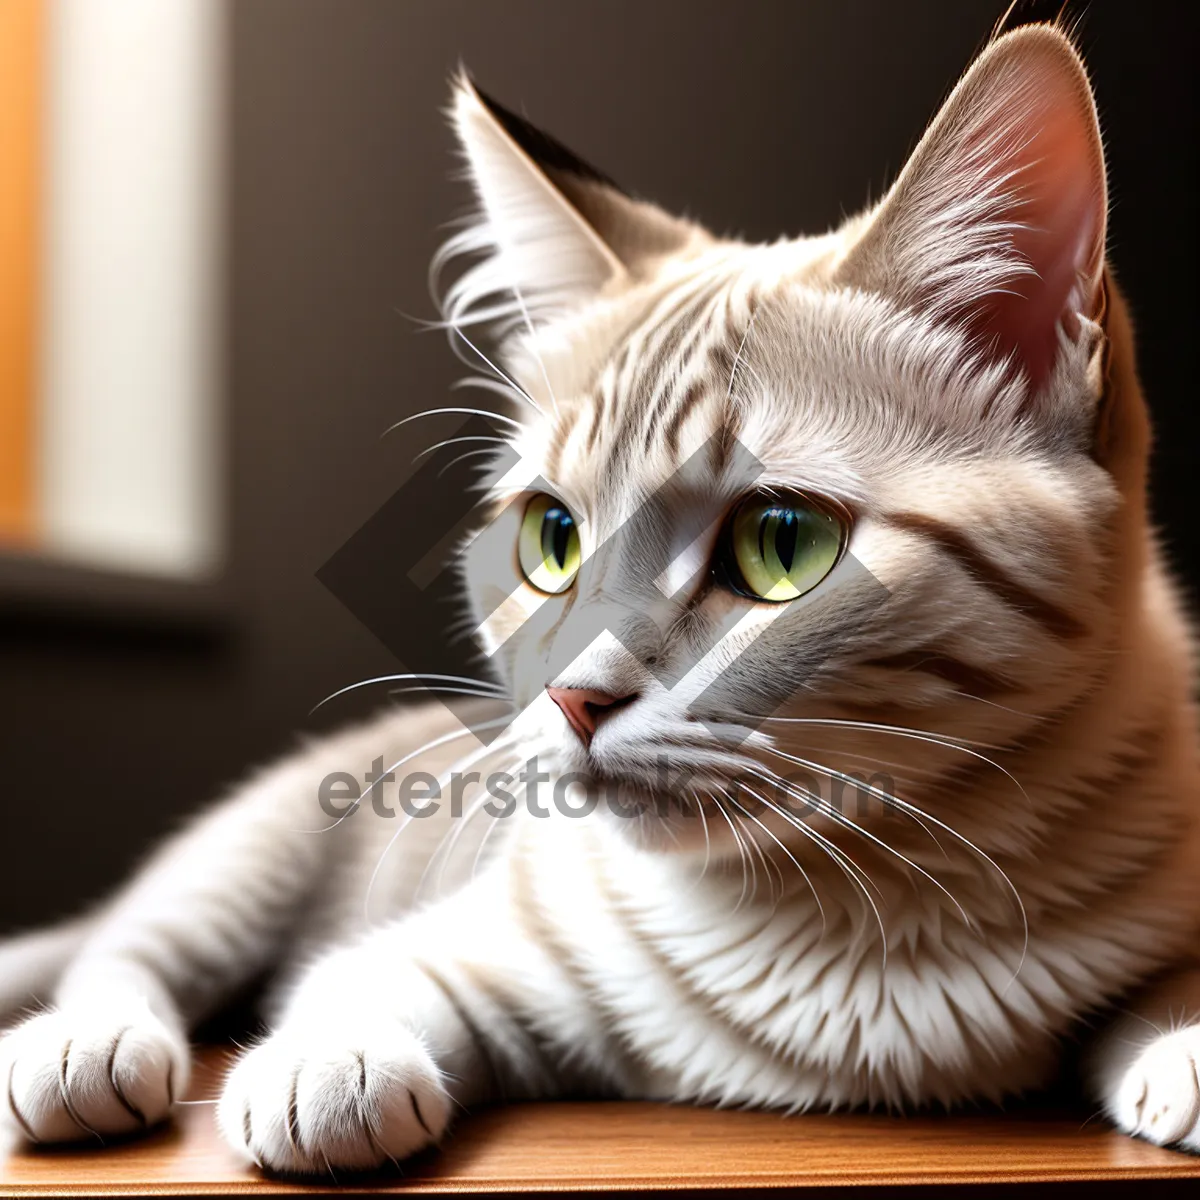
[(1145, 1067), (206, 915), (380, 1042)]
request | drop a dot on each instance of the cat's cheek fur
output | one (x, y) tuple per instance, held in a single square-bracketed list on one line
[(348, 1094)]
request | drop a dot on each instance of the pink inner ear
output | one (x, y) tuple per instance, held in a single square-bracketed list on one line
[(1058, 202)]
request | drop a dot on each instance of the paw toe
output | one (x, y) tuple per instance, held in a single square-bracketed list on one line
[(65, 1077), (1159, 1097), (303, 1105)]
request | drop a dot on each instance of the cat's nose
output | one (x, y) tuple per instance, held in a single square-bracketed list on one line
[(584, 708)]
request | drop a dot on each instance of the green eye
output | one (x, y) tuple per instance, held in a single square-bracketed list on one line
[(778, 550), (548, 545)]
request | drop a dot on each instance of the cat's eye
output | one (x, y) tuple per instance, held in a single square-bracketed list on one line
[(778, 549), (548, 545)]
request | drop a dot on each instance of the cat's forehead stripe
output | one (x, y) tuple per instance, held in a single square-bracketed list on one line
[(682, 355), (709, 321)]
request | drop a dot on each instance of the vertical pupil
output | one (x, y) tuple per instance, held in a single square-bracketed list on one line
[(556, 534), (787, 534)]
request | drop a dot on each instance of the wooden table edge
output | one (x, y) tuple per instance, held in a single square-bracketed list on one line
[(714, 1183)]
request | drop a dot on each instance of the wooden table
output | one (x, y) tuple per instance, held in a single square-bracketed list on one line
[(647, 1147)]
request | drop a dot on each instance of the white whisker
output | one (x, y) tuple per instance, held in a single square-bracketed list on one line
[(433, 745), (940, 739), (840, 858), (753, 843), (442, 691), (841, 819), (494, 688), (463, 458), (962, 745), (795, 861), (742, 852), (446, 848), (434, 412), (516, 291), (863, 786), (737, 358), (707, 839), (501, 374), (458, 441), (466, 761)]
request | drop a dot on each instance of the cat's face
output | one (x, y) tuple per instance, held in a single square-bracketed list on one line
[(759, 490)]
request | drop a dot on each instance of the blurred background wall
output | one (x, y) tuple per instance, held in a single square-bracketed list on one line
[(132, 692)]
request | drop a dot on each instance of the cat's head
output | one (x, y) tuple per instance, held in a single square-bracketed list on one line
[(769, 498)]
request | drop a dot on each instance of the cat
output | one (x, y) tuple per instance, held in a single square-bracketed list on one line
[(873, 499)]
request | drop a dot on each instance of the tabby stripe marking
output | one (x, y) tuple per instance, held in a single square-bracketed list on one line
[(540, 931), (598, 412), (753, 1031), (977, 682), (538, 1050), (1049, 616), (478, 1040), (687, 349), (692, 396)]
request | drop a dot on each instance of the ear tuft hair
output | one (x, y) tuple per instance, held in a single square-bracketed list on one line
[(534, 251), (551, 232)]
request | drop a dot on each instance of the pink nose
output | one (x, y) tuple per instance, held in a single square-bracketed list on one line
[(583, 707)]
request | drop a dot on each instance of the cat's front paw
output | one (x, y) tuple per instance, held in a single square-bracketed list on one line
[(72, 1074), (1158, 1098), (309, 1101)]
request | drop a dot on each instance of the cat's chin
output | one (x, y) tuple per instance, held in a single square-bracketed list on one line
[(645, 805), (649, 819)]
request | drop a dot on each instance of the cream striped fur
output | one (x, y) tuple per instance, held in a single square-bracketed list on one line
[(954, 371)]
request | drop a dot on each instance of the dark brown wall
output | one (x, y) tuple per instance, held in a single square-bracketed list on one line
[(758, 117)]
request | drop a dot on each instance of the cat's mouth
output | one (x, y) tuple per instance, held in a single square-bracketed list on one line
[(656, 784)]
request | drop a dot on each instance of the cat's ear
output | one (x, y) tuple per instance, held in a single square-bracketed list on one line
[(554, 230), (997, 221)]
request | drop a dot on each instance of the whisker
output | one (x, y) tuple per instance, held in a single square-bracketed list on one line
[(495, 688), (467, 760), (832, 848), (846, 823), (487, 384), (963, 745), (751, 842), (463, 458), (447, 849), (987, 858), (742, 852), (483, 841), (454, 327), (458, 441), (473, 412), (840, 858), (502, 374), (933, 773), (516, 291), (1016, 712), (941, 739), (707, 839), (795, 861), (426, 689), (737, 358), (886, 797), (433, 745), (905, 805)]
